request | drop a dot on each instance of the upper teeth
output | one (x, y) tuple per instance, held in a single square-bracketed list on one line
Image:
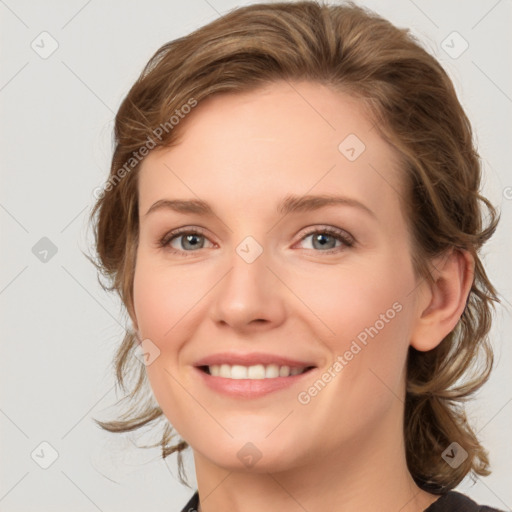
[(258, 371)]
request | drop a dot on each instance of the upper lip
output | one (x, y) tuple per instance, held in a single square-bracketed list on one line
[(251, 359)]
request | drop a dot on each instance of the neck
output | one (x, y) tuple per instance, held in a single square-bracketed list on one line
[(368, 473)]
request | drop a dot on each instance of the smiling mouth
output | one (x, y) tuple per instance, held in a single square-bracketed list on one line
[(254, 372)]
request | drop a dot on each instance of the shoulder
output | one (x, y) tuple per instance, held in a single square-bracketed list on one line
[(454, 501), (192, 505)]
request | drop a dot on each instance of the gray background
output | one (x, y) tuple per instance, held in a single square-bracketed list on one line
[(60, 330)]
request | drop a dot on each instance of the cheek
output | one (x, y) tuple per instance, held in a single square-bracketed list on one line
[(350, 300), (163, 297), (366, 318), (169, 304), (369, 311), (150, 303), (163, 307)]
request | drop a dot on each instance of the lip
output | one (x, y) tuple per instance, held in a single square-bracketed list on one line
[(251, 359), (249, 388)]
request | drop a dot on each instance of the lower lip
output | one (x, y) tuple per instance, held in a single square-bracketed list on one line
[(249, 388)]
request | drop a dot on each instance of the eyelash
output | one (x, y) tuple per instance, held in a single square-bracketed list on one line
[(342, 236)]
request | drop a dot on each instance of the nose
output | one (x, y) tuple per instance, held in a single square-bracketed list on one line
[(250, 296)]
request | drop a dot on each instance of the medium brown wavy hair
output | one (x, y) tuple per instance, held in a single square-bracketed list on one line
[(414, 106)]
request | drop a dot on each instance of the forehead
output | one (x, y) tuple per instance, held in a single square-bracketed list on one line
[(285, 138)]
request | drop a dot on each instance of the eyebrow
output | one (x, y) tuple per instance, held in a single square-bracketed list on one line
[(289, 204)]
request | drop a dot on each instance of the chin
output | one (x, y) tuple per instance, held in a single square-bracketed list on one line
[(250, 456)]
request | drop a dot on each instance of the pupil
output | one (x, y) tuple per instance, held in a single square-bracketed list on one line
[(190, 238), (321, 238)]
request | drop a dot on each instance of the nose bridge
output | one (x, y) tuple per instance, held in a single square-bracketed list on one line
[(249, 291)]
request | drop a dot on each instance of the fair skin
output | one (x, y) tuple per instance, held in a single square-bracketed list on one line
[(242, 154)]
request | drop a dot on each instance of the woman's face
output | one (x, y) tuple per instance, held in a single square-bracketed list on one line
[(270, 278)]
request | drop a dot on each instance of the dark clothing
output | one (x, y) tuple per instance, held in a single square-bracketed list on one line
[(192, 505), (452, 501)]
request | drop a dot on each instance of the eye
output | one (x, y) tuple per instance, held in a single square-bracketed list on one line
[(325, 239), (184, 240)]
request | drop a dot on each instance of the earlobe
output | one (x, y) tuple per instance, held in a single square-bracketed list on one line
[(443, 301)]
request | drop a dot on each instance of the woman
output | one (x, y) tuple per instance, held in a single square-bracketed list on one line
[(293, 220)]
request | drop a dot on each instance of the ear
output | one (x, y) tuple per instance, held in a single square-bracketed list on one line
[(441, 303)]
